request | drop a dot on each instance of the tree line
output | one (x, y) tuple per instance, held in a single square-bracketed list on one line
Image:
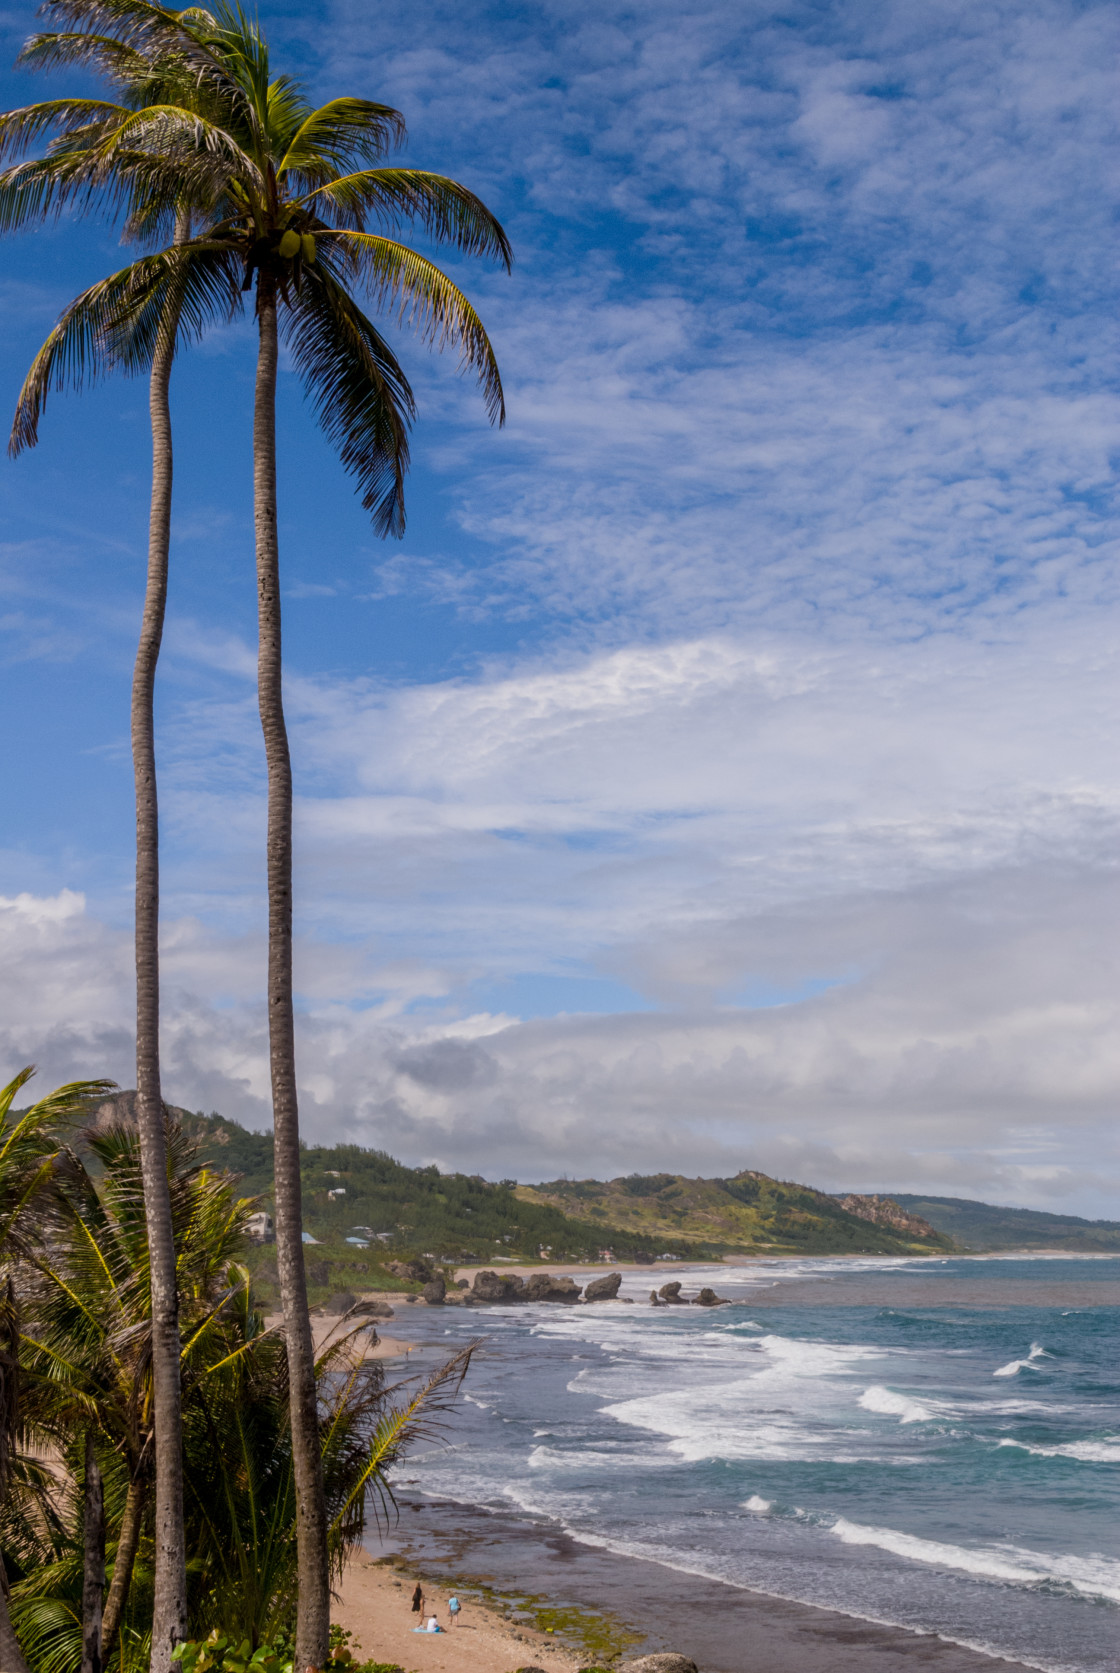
[(235, 189)]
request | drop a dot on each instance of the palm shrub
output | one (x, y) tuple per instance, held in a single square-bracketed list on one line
[(30, 1148), (86, 1361)]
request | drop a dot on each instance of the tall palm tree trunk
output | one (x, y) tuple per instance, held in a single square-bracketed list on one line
[(313, 1613), (169, 1613), (93, 1575), (128, 1541)]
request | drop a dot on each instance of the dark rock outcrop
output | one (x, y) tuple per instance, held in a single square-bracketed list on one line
[(644, 1258), (374, 1309), (414, 1272), (498, 1286), (434, 1291), (709, 1298), (603, 1289), (671, 1294), (340, 1303), (543, 1286), (655, 1300), (660, 1664)]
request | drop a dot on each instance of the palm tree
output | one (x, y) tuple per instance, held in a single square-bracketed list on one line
[(29, 1150), (291, 191), (144, 70)]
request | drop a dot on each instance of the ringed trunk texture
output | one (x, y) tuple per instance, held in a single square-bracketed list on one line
[(169, 1613), (313, 1610), (93, 1575), (128, 1540)]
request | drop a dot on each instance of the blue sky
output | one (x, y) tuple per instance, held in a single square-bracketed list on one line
[(721, 771)]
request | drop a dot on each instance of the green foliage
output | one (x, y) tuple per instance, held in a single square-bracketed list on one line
[(219, 1653), (86, 1366)]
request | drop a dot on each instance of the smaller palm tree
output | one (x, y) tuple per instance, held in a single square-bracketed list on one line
[(30, 1150)]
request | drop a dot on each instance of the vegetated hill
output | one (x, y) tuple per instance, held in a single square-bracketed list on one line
[(750, 1213), (981, 1225), (396, 1211)]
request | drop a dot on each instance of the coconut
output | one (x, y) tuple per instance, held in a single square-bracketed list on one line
[(308, 248), (290, 244)]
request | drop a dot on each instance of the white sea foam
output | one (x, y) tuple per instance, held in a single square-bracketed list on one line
[(1104, 1451), (885, 1400), (760, 1507), (593, 1458), (1092, 1576), (1014, 1366)]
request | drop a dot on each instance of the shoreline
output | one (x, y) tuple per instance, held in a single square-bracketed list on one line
[(603, 1606)]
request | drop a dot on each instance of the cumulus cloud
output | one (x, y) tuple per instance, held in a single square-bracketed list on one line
[(868, 904)]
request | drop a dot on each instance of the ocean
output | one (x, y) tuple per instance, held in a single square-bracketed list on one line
[(933, 1444)]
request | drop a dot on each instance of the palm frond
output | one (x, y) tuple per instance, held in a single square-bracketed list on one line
[(428, 301), (447, 211), (22, 128), (116, 323), (340, 133), (360, 393), (59, 49)]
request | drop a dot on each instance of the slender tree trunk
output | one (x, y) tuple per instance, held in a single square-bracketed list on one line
[(128, 1540), (11, 1656), (93, 1576), (169, 1613), (313, 1612)]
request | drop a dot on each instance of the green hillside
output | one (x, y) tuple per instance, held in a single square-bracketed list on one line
[(981, 1225), (364, 1210), (750, 1212)]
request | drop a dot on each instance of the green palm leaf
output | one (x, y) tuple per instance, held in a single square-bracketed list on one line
[(362, 397), (428, 301)]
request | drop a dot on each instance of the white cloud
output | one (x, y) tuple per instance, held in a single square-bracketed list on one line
[(872, 897)]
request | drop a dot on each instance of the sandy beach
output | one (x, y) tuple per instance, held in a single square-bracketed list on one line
[(375, 1605)]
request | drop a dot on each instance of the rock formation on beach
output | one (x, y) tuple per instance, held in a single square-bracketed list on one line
[(603, 1289), (671, 1294)]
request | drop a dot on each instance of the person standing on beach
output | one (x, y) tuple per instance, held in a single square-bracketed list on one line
[(418, 1601), (453, 1607)]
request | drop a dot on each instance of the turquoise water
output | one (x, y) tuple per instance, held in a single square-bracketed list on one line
[(952, 1467)]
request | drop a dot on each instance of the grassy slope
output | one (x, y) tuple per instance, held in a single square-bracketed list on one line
[(456, 1217), (981, 1225), (749, 1212)]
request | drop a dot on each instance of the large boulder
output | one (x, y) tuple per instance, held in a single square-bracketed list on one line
[(671, 1294), (709, 1298), (544, 1286), (642, 1257), (434, 1291), (414, 1272), (340, 1303), (603, 1289), (498, 1286), (669, 1663), (374, 1309)]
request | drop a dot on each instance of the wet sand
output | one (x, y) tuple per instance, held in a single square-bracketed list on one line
[(637, 1607)]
